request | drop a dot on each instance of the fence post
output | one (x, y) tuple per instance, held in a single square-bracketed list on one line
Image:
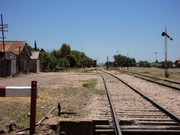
[(33, 107)]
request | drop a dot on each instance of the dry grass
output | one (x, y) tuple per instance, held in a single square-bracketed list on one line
[(68, 90), (158, 72)]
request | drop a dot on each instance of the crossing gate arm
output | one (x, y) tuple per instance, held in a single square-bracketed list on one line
[(24, 91), (17, 91)]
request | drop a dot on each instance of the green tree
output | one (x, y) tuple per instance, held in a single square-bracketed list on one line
[(124, 61), (45, 60), (170, 64), (72, 60), (49, 61), (56, 53), (79, 57), (62, 58), (132, 62), (63, 63), (65, 50), (144, 64), (53, 61)]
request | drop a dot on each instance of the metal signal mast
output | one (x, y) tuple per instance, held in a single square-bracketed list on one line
[(165, 66)]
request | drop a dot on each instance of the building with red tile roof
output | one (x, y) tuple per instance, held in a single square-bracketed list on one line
[(18, 49), (13, 46)]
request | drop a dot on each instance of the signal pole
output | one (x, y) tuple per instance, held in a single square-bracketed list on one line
[(165, 66), (107, 63), (3, 26), (156, 58)]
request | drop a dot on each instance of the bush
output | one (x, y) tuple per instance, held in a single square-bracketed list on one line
[(62, 63), (144, 64), (124, 61), (72, 60)]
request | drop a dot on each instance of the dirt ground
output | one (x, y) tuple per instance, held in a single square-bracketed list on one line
[(80, 92), (74, 90)]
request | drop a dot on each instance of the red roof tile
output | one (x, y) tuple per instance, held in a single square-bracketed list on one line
[(12, 46)]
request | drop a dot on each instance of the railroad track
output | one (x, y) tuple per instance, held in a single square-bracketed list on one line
[(165, 82), (135, 112)]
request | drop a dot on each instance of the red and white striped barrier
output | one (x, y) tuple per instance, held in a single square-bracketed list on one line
[(16, 91), (24, 91)]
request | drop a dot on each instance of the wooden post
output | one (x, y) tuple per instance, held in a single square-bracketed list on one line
[(15, 91), (59, 109), (33, 107), (19, 60)]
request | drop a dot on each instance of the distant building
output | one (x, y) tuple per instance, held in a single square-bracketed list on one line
[(35, 65), (177, 62), (16, 53), (94, 63)]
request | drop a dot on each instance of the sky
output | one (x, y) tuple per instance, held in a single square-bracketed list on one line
[(100, 28)]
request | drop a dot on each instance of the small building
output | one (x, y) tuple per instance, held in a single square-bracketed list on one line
[(94, 63), (18, 49), (35, 62), (7, 66), (177, 62)]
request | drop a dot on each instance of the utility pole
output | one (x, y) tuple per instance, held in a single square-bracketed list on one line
[(81, 45), (2, 28), (156, 58), (127, 60), (107, 63)]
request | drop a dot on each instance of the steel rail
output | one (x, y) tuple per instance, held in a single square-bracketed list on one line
[(157, 78), (173, 87), (170, 114), (113, 113), (170, 86)]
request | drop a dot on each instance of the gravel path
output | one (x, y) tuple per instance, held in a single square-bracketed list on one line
[(167, 97), (98, 103), (133, 111)]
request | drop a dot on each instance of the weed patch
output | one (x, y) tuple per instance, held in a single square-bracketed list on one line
[(83, 71), (145, 72), (91, 84)]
